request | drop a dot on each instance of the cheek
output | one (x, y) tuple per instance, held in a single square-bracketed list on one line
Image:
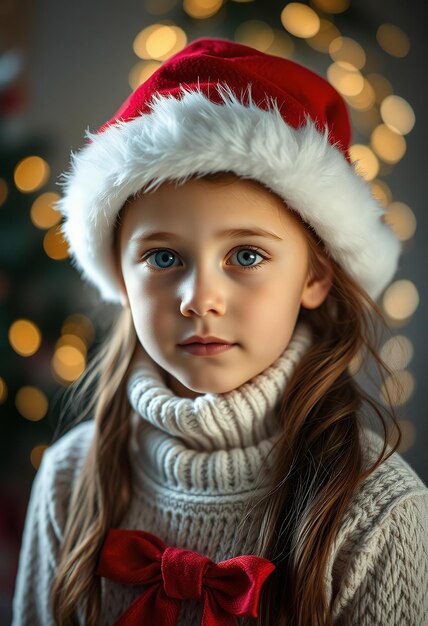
[(151, 309), (273, 307)]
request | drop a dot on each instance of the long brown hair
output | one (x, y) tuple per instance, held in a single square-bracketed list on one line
[(319, 460)]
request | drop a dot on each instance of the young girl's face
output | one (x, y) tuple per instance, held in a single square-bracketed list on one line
[(202, 275)]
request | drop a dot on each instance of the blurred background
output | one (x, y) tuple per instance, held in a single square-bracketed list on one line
[(67, 66)]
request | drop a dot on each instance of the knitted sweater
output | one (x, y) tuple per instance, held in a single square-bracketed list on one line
[(196, 463)]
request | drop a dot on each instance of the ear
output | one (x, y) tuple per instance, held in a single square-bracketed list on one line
[(317, 286)]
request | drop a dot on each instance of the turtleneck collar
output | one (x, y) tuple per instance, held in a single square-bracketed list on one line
[(214, 443)]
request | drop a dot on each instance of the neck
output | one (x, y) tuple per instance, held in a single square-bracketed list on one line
[(214, 442)]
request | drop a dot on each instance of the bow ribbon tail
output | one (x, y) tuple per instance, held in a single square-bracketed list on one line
[(152, 607), (213, 614)]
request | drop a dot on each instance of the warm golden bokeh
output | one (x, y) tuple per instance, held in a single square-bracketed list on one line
[(42, 213), (141, 71), (347, 50), (401, 219), (31, 174), (202, 9), (397, 352), (255, 33), (4, 191), (24, 337), (3, 390), (55, 245), (381, 192), (345, 78), (388, 145), (381, 85), (68, 364), (300, 20), (393, 40), (331, 6), (400, 300), (31, 403), (399, 387), (366, 162), (36, 455), (323, 38), (80, 325), (397, 114), (159, 41)]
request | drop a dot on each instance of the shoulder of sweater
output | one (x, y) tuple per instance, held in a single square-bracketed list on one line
[(387, 520), (60, 466), (66, 455), (394, 484)]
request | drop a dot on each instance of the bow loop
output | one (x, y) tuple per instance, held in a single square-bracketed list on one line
[(227, 589)]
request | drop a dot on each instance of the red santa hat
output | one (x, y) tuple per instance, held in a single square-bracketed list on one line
[(221, 106)]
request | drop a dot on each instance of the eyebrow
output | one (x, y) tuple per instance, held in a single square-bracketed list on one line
[(231, 233)]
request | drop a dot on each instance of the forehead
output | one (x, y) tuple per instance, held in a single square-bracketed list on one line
[(205, 203)]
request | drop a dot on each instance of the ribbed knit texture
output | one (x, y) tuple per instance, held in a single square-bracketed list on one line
[(196, 464)]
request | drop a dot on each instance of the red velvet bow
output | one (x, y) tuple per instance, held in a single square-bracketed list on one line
[(229, 588)]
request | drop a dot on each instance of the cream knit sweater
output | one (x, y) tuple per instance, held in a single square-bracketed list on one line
[(196, 462)]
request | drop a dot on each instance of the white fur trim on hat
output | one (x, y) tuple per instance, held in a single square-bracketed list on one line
[(192, 135)]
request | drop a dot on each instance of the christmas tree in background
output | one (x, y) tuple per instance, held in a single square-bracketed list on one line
[(45, 338)]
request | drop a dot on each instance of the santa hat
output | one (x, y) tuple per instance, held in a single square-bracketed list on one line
[(221, 106)]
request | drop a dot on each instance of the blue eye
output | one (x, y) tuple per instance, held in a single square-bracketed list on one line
[(164, 258), (247, 256)]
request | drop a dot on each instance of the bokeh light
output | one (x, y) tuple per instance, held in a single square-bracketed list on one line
[(36, 455), (159, 42), (366, 162), (331, 6), (364, 100), (73, 340), (24, 337), (345, 78), (399, 387), (300, 20), (141, 72), (42, 214), (31, 174), (31, 403), (68, 363), (80, 325), (397, 352), (381, 85), (381, 192), (388, 145), (393, 40), (55, 245), (401, 219), (326, 34), (397, 114), (202, 9), (400, 300), (3, 390), (347, 50), (255, 33), (4, 191)]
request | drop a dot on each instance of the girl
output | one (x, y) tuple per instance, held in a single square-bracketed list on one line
[(226, 474)]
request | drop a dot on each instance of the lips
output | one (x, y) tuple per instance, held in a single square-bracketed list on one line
[(197, 339)]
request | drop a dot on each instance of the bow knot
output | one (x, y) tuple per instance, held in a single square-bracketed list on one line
[(227, 589), (183, 572)]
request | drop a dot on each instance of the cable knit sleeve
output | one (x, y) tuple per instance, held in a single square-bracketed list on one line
[(391, 570), (44, 524), (38, 556)]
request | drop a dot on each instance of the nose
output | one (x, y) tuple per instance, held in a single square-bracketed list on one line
[(202, 293)]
